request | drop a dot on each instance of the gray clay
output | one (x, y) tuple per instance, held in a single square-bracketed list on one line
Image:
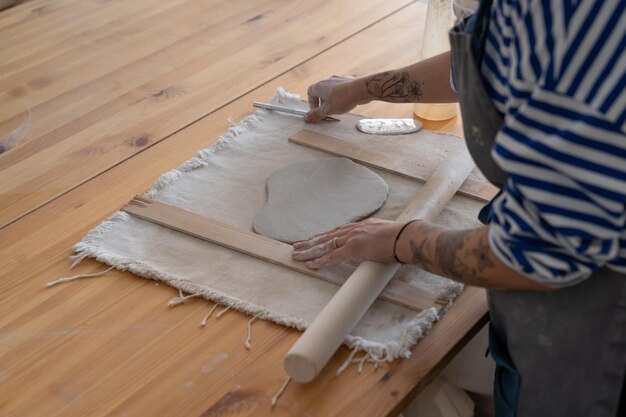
[(315, 196)]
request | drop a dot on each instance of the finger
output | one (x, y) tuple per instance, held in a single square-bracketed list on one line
[(336, 229), (315, 115), (318, 113), (321, 238), (331, 258), (343, 77), (342, 240), (314, 98), (306, 244), (314, 252)]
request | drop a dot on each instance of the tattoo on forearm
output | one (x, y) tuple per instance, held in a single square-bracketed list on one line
[(465, 256), (462, 261), (394, 86), (419, 254)]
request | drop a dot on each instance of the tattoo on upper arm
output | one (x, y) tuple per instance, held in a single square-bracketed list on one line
[(394, 86)]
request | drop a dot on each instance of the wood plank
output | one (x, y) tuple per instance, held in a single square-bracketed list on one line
[(109, 346), (266, 249), (413, 165), (124, 45), (35, 15), (118, 40), (96, 123), (122, 37), (65, 101), (122, 69), (86, 34)]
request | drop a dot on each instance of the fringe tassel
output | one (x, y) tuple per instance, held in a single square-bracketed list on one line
[(347, 362), (367, 357), (77, 259), (376, 360), (361, 361), (221, 313), (247, 344), (67, 279), (204, 320), (280, 391), (181, 299)]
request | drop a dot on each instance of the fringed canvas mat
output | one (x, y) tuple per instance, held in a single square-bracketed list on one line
[(226, 182)]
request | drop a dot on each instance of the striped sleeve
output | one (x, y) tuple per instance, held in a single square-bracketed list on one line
[(556, 70), (562, 211), (592, 67)]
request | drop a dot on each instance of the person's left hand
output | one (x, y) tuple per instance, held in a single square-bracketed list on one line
[(371, 239)]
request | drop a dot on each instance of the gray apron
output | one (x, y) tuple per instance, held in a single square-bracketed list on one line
[(561, 353)]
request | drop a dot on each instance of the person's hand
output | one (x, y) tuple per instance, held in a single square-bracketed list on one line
[(371, 239), (336, 95)]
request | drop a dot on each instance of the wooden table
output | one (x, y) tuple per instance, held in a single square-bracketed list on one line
[(100, 97)]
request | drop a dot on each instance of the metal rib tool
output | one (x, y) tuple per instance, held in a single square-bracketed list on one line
[(289, 110)]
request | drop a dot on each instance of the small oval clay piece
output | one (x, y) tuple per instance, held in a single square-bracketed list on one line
[(388, 126)]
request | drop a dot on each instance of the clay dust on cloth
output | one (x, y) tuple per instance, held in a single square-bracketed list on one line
[(227, 182)]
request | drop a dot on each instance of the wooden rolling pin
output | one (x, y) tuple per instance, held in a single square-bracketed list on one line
[(322, 338)]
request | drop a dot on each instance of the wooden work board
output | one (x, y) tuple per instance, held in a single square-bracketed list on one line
[(414, 156), (268, 250), (97, 99), (404, 161)]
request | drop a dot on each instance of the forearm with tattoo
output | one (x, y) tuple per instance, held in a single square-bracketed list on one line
[(425, 81), (394, 86), (462, 255)]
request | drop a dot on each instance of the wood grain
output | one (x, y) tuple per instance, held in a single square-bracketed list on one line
[(266, 249), (111, 346), (406, 162), (97, 105), (80, 26)]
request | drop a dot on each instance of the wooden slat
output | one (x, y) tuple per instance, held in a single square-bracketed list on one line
[(264, 248), (405, 163)]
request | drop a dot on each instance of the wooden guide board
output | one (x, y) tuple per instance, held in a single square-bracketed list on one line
[(264, 248), (408, 163)]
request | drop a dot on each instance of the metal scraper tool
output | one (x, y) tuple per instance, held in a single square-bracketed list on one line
[(289, 110)]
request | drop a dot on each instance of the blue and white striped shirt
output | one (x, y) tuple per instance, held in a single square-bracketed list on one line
[(556, 70)]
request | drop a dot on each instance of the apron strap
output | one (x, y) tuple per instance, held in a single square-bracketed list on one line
[(477, 25)]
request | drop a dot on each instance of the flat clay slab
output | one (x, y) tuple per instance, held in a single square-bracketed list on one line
[(310, 197)]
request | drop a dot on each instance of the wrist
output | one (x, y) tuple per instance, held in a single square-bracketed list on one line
[(358, 91), (399, 254)]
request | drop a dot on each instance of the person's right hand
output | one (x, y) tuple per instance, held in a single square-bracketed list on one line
[(335, 95)]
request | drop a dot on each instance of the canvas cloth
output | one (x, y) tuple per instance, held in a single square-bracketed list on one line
[(226, 182)]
